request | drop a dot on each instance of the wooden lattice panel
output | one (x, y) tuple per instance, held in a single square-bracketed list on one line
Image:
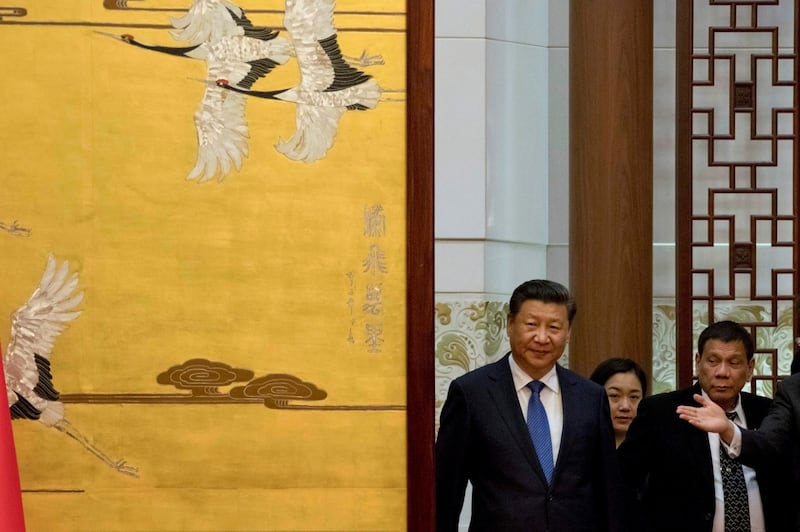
[(737, 179)]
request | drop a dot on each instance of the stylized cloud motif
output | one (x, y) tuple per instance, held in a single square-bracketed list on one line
[(203, 377), (276, 389)]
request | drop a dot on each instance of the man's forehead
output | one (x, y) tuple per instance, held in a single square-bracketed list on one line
[(537, 306), (717, 346)]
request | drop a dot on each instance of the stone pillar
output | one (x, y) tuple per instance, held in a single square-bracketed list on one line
[(611, 176)]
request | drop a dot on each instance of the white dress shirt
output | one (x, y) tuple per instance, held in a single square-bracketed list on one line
[(551, 399), (753, 495)]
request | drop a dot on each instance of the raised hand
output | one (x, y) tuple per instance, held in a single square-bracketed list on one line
[(708, 417)]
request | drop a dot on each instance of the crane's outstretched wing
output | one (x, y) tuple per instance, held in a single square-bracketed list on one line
[(308, 21), (242, 56), (209, 20), (315, 130), (220, 121), (328, 87), (212, 20), (34, 328), (221, 134)]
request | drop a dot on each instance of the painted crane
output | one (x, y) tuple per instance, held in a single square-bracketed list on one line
[(220, 33), (329, 86), (34, 328)]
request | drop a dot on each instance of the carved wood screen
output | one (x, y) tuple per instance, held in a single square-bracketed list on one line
[(737, 177)]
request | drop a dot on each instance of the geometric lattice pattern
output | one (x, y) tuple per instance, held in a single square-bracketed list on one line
[(737, 225)]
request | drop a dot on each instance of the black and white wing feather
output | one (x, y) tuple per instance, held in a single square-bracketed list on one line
[(34, 329)]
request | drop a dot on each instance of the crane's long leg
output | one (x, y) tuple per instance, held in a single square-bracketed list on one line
[(119, 465)]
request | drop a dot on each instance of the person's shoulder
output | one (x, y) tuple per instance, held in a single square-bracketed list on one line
[(568, 377), (493, 369), (754, 399), (670, 399), (790, 386), (792, 380)]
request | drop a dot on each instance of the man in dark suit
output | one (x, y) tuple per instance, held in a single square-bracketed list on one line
[(774, 444), (678, 470), (572, 483)]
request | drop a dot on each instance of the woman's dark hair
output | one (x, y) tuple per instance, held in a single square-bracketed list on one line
[(611, 366)]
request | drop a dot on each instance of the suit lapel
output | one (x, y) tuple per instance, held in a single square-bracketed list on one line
[(697, 440), (572, 410), (504, 395), (752, 412)]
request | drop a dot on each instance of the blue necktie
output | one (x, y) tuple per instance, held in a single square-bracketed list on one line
[(539, 429)]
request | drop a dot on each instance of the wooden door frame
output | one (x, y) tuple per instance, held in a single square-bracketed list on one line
[(421, 509)]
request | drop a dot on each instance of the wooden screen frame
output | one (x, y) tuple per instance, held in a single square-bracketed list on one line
[(419, 266)]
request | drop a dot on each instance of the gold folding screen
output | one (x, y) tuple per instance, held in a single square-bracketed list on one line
[(242, 341)]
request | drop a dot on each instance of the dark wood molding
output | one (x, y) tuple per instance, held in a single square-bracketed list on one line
[(419, 263), (684, 325)]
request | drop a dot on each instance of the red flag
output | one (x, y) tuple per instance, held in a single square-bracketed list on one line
[(11, 517)]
